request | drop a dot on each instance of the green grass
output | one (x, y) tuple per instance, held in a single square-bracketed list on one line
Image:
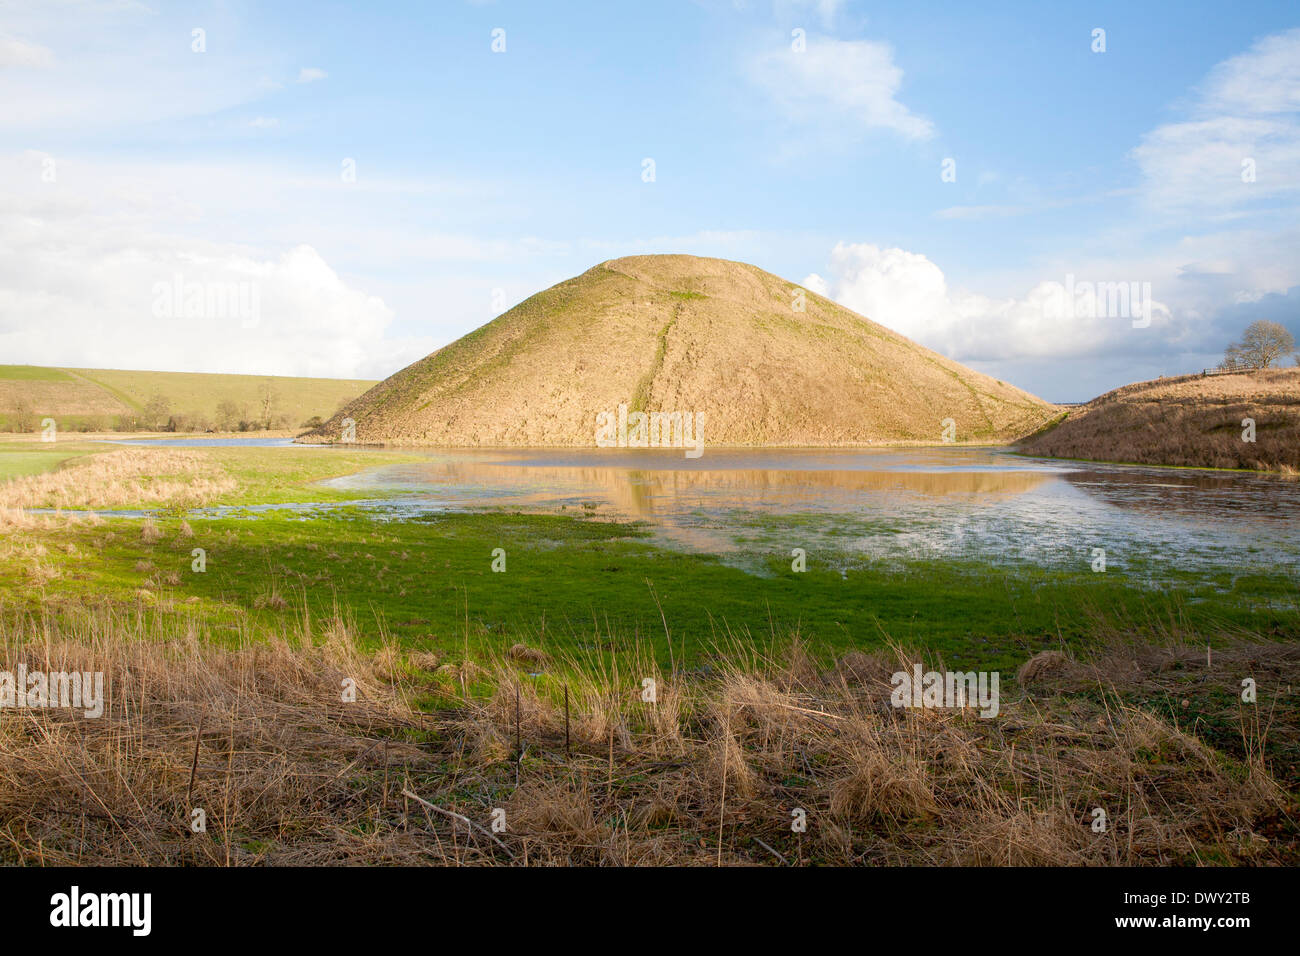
[(641, 394), (18, 458), (572, 582), (32, 373), (294, 473)]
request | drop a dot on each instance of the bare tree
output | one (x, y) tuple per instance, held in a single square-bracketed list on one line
[(267, 398), (1261, 344)]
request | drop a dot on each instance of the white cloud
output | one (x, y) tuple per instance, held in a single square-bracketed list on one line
[(1248, 107), (834, 80), (1248, 110), (908, 293), (87, 265), (17, 52), (114, 308), (1265, 79), (310, 74), (264, 122)]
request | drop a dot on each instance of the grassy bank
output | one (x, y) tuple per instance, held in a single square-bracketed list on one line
[(1249, 420), (574, 766)]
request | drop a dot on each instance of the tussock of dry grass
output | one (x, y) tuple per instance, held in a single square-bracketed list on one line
[(289, 773), (135, 476)]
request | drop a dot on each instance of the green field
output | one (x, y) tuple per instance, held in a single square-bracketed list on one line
[(32, 373), (28, 457), (106, 398)]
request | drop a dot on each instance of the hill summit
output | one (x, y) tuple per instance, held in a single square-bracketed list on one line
[(745, 357)]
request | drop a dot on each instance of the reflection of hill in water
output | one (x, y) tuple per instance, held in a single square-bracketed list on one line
[(1201, 494), (655, 492), (923, 503)]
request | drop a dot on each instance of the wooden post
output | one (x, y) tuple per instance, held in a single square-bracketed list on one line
[(194, 765)]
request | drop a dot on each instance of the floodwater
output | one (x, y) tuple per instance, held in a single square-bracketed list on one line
[(983, 505), (853, 506), (197, 442)]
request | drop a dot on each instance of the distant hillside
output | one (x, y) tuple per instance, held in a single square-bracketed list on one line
[(1189, 420), (109, 398), (684, 334)]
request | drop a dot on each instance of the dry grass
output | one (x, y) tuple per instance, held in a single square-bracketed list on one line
[(1190, 421), (136, 477), (289, 773), (691, 334)]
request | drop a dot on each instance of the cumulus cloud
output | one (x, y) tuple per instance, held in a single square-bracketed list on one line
[(1247, 108), (838, 80), (200, 308), (108, 277), (1075, 315)]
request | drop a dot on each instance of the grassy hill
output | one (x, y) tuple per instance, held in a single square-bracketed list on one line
[(80, 398), (676, 333), (1189, 420)]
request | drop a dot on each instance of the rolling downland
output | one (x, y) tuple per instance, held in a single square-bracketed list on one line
[(104, 398)]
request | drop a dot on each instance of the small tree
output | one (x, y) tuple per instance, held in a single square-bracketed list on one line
[(22, 418), (156, 412), (267, 398), (228, 415), (1261, 344)]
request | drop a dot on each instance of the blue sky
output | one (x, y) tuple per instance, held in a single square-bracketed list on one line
[(128, 158)]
